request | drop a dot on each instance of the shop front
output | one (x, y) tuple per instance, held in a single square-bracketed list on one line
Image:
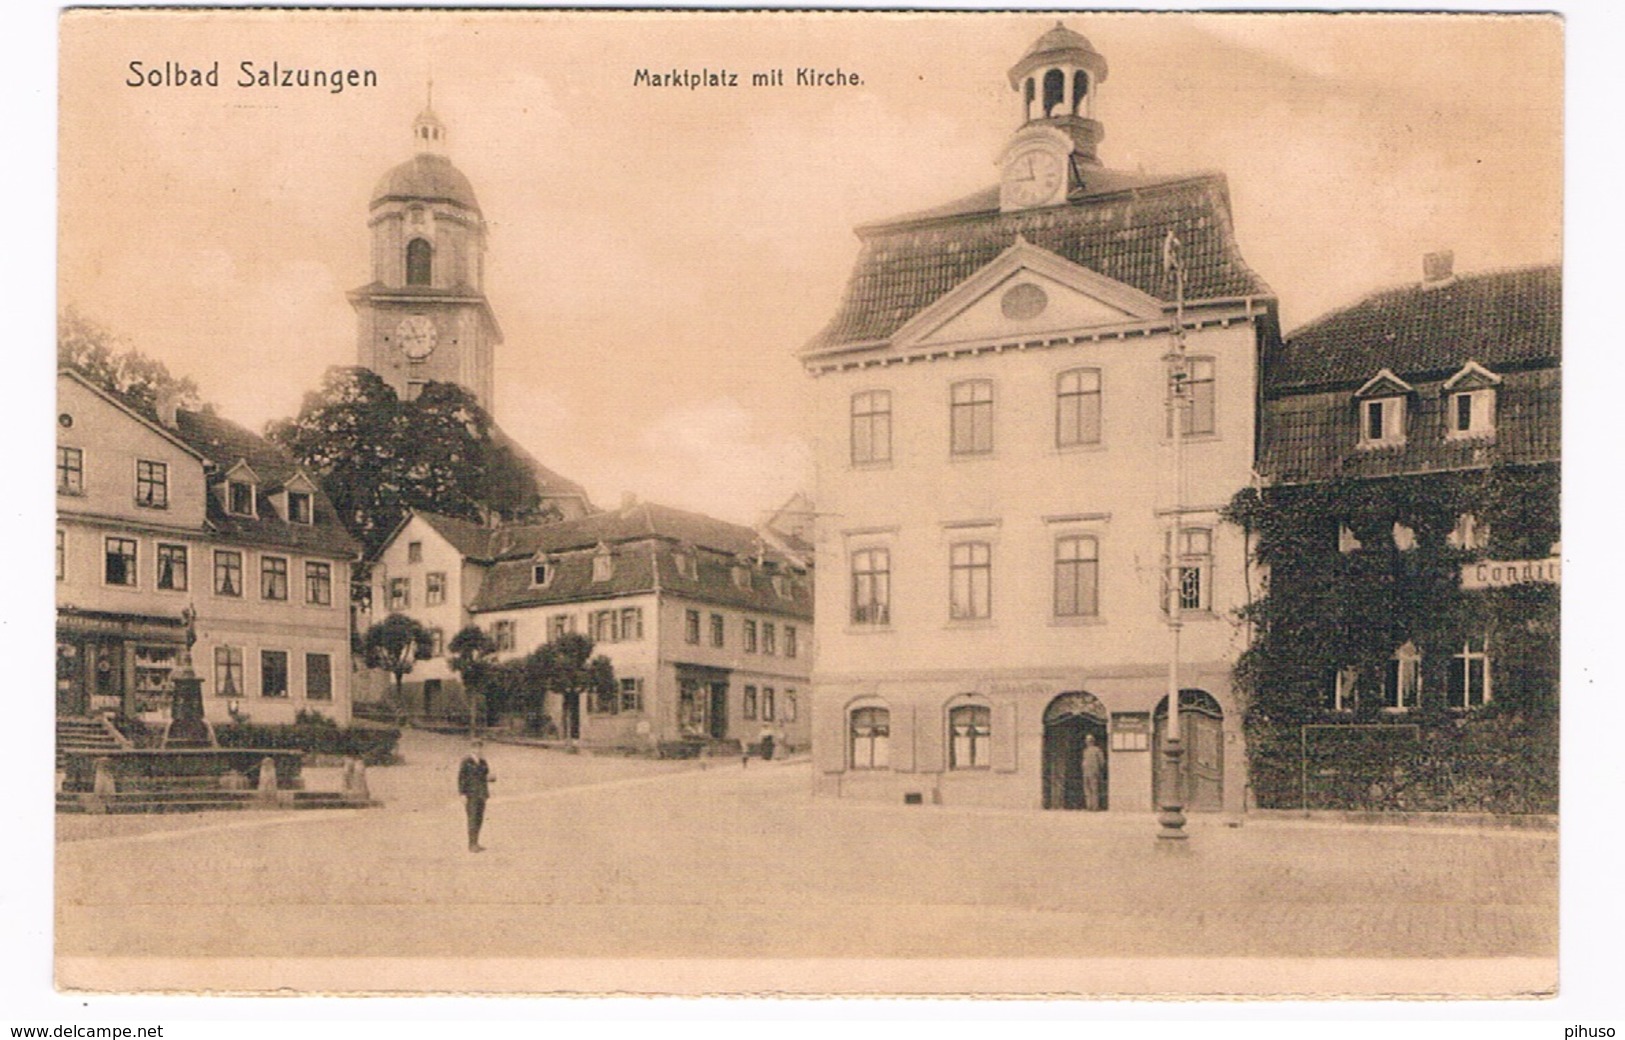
[(115, 663)]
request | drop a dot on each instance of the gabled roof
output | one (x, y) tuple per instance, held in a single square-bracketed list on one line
[(1504, 320), (549, 482), (1384, 384), (121, 405), (1114, 225), (1472, 376), (227, 445)]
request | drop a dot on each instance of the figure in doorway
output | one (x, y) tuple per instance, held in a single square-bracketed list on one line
[(1094, 773), (473, 780)]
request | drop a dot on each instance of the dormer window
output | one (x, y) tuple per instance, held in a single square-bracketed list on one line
[(781, 585), (1470, 402), (1469, 533), (299, 507), (741, 575), (687, 566), (542, 572), (603, 565), (1382, 410), (240, 498)]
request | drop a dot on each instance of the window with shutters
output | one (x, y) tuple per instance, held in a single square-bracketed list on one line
[(869, 735), (970, 731)]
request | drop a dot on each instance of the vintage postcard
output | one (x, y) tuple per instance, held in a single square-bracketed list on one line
[(696, 502)]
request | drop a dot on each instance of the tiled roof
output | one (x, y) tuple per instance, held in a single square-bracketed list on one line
[(1314, 436), (429, 177), (223, 443), (469, 539), (644, 541), (1502, 319), (551, 483), (1115, 225)]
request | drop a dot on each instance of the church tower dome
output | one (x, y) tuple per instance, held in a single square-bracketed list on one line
[(1058, 80), (424, 317)]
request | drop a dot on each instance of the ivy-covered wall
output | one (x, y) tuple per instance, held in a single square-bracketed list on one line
[(1323, 609)]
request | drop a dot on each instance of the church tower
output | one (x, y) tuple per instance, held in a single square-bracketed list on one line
[(424, 316)]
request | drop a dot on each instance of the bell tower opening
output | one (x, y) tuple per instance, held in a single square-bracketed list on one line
[(419, 262), (1064, 71)]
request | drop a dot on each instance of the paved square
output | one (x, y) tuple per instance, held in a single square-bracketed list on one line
[(603, 858)]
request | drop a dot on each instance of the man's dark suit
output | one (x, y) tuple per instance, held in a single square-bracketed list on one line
[(473, 776)]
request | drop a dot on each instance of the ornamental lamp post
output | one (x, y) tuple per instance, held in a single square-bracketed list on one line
[(1170, 797)]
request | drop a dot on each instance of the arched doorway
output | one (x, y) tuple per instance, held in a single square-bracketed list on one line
[(1201, 733), (1069, 719)]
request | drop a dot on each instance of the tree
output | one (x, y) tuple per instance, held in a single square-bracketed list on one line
[(567, 667), (394, 645), (471, 652), (378, 456), (99, 355)]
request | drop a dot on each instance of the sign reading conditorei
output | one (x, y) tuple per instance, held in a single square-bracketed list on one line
[(1496, 574)]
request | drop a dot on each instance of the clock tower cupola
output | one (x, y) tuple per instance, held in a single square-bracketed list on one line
[(424, 316), (1057, 82)]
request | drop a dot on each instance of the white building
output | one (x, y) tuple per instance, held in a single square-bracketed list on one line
[(995, 468), (193, 511)]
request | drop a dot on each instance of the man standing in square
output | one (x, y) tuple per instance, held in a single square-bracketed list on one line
[(473, 780)]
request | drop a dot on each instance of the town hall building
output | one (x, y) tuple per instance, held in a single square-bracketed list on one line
[(995, 416)]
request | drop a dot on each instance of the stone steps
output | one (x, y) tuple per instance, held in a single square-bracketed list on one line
[(201, 801)]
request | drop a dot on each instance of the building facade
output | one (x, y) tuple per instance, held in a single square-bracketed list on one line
[(1410, 447), (193, 512), (707, 624), (994, 414)]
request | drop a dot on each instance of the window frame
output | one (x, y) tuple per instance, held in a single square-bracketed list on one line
[(1079, 566), (131, 568), (870, 568), (434, 589), (1480, 405), (504, 634), (747, 703), (1188, 563), (70, 470), (970, 420), (250, 495), (1077, 400), (268, 673), (272, 579), (876, 722), (318, 579), (233, 562), (631, 695), (978, 744), (170, 549), (967, 561), (399, 594), (873, 419), (1461, 694), (230, 670), (749, 629), (306, 515), (61, 554), (691, 627), (1201, 382), (790, 641), (1402, 683), (312, 693), (151, 484), (1391, 420), (719, 631)]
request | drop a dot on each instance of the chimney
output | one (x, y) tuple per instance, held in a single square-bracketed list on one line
[(168, 403), (1438, 268)]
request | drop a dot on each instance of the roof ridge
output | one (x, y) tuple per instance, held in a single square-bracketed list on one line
[(1397, 288)]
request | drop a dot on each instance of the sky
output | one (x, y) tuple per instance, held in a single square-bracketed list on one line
[(657, 255)]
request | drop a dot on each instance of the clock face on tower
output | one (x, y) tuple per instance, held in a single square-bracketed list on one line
[(1033, 177), (417, 336)]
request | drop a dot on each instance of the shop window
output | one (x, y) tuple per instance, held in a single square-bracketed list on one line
[(869, 735), (970, 728)]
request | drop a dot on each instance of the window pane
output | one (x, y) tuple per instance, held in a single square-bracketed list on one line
[(318, 677)]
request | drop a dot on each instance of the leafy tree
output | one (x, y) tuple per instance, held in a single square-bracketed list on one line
[(378, 456), (394, 645), (99, 355), (567, 667), (472, 650)]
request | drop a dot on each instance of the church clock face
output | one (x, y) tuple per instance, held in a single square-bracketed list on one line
[(1033, 177), (417, 335)]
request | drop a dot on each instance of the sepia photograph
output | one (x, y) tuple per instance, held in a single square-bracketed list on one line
[(787, 503)]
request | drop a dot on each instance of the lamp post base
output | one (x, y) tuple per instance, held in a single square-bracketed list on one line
[(1171, 806)]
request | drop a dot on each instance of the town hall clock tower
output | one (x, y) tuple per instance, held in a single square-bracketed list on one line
[(424, 316)]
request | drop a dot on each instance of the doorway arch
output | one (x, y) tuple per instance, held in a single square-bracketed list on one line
[(1201, 767), (1069, 719)]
